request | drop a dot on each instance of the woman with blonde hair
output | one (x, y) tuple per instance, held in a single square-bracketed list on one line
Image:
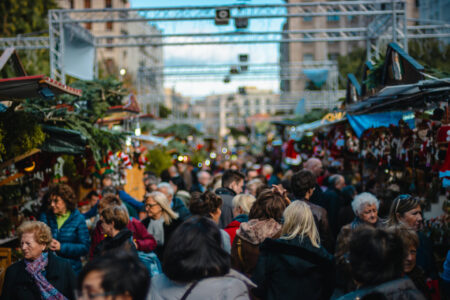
[(294, 264), (161, 220), (242, 204)]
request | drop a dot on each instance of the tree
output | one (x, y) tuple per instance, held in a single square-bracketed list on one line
[(353, 62), (25, 17), (432, 54)]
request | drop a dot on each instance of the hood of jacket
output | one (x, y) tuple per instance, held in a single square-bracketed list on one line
[(256, 231)]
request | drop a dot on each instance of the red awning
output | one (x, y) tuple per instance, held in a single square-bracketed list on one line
[(33, 87)]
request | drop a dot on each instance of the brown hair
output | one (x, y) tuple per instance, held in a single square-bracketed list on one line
[(42, 233), (401, 205), (67, 195), (203, 204), (116, 214), (268, 205), (408, 236), (108, 200)]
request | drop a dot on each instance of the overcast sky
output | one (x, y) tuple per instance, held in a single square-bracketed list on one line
[(215, 54)]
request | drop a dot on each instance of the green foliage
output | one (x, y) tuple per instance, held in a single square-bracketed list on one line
[(375, 76), (24, 16), (313, 115), (180, 131), (21, 133), (98, 96), (199, 157), (432, 54), (164, 112), (178, 146), (159, 160), (351, 63)]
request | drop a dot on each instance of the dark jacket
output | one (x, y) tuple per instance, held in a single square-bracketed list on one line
[(181, 209), (122, 240), (168, 230), (73, 236), (425, 258), (227, 196), (316, 197), (398, 289), (293, 269), (20, 285), (332, 202), (249, 236), (321, 220)]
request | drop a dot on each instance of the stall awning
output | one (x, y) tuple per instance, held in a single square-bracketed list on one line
[(39, 86), (361, 123)]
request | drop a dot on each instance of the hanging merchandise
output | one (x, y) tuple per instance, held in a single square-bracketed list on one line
[(444, 171)]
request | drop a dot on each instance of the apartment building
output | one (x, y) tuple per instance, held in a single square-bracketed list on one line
[(219, 112), (124, 60)]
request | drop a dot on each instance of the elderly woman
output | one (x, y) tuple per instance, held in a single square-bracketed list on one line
[(197, 267), (295, 264), (114, 221), (406, 210), (365, 206), (161, 220), (68, 226), (241, 208), (41, 274)]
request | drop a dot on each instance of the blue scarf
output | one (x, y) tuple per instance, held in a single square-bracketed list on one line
[(35, 269)]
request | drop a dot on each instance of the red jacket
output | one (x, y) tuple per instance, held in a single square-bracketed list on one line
[(144, 240), (231, 229)]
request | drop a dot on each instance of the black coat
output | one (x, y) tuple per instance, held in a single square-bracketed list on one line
[(227, 196), (293, 269), (20, 285), (168, 230), (122, 240)]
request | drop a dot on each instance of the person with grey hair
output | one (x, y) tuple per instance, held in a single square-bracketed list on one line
[(365, 207), (176, 204), (332, 200), (315, 166), (203, 180)]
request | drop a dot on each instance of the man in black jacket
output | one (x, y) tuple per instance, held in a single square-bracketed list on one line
[(232, 183), (303, 186)]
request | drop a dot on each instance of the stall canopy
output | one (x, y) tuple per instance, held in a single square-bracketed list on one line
[(317, 76), (361, 123), (61, 140)]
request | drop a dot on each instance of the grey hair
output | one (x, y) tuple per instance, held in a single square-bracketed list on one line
[(199, 174), (362, 200), (167, 186), (334, 179)]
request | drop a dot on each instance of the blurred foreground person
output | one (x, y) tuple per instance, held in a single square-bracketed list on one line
[(197, 267), (116, 275), (406, 210), (295, 264), (41, 274), (377, 258)]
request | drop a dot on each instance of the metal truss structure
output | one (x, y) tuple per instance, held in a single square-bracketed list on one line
[(374, 10)]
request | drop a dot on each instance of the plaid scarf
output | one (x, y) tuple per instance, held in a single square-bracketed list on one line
[(35, 268)]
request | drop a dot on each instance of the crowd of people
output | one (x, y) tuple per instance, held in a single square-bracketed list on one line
[(237, 232)]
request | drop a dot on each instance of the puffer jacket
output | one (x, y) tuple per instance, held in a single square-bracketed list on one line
[(245, 248), (398, 289), (73, 236)]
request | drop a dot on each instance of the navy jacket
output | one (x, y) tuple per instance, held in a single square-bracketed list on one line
[(179, 207), (20, 285), (73, 236)]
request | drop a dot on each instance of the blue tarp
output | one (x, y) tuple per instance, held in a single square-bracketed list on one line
[(300, 108), (361, 123), (317, 76)]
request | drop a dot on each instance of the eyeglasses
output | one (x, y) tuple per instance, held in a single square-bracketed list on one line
[(150, 205), (400, 198)]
